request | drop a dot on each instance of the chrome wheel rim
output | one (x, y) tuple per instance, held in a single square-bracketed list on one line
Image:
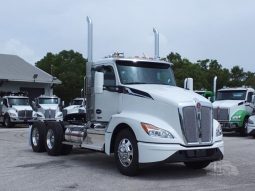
[(125, 152), (35, 136), (50, 139)]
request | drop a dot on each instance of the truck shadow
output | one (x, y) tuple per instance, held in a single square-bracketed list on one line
[(106, 165)]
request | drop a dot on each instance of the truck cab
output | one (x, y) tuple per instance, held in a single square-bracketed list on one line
[(76, 110), (48, 108), (232, 108), (15, 109)]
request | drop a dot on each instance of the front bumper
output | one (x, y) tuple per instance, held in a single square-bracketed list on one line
[(22, 120), (229, 126), (151, 152)]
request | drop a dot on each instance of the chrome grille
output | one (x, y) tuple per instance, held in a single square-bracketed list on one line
[(197, 128), (190, 124), (49, 113), (206, 124), (221, 114), (25, 114)]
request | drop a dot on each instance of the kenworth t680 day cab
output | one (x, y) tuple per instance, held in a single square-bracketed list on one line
[(232, 108), (135, 111)]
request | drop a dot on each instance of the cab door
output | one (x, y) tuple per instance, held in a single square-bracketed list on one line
[(107, 103), (249, 105)]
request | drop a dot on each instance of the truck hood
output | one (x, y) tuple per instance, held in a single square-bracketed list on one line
[(72, 107), (49, 106), (168, 93), (22, 107), (226, 103)]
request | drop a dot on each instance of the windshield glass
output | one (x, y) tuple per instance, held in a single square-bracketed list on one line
[(145, 73), (18, 101), (48, 100), (77, 102), (231, 95)]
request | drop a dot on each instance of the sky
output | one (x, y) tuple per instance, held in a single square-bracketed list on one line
[(197, 29)]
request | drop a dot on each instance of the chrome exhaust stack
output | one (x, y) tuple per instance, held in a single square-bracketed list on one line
[(88, 80), (214, 87), (156, 44)]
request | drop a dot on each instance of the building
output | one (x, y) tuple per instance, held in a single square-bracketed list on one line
[(17, 75)]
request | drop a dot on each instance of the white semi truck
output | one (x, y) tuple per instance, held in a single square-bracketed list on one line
[(76, 111), (48, 108), (15, 109), (232, 108), (135, 111)]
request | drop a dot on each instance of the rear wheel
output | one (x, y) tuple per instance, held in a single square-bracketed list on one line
[(126, 153), (37, 137), (197, 165), (53, 140)]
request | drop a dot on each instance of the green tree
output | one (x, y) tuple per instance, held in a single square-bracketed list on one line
[(69, 67)]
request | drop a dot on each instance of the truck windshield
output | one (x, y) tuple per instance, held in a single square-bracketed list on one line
[(77, 102), (231, 95), (18, 101), (142, 72), (48, 100)]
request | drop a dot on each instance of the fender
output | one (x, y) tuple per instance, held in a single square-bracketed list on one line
[(239, 116), (133, 120)]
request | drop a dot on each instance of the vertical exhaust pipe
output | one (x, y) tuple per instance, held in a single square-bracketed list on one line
[(156, 44), (89, 107), (214, 87)]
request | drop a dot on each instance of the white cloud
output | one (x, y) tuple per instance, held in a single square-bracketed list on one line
[(15, 47)]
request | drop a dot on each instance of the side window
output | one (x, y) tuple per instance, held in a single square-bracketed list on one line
[(249, 99), (5, 102), (109, 75)]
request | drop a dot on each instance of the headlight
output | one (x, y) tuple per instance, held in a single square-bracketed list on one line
[(236, 117), (13, 114), (218, 131), (250, 121), (153, 131), (60, 115)]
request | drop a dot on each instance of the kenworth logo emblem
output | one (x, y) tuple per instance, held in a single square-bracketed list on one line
[(198, 114)]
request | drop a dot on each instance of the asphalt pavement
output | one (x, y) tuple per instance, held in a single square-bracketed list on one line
[(22, 169)]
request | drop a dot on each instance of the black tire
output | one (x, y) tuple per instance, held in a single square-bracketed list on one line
[(129, 168), (55, 147), (37, 137), (243, 130), (197, 165), (7, 122), (53, 138)]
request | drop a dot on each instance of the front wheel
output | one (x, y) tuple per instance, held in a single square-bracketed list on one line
[(7, 122), (244, 128), (126, 153), (197, 165)]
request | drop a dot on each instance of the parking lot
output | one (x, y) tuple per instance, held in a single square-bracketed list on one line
[(21, 169)]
